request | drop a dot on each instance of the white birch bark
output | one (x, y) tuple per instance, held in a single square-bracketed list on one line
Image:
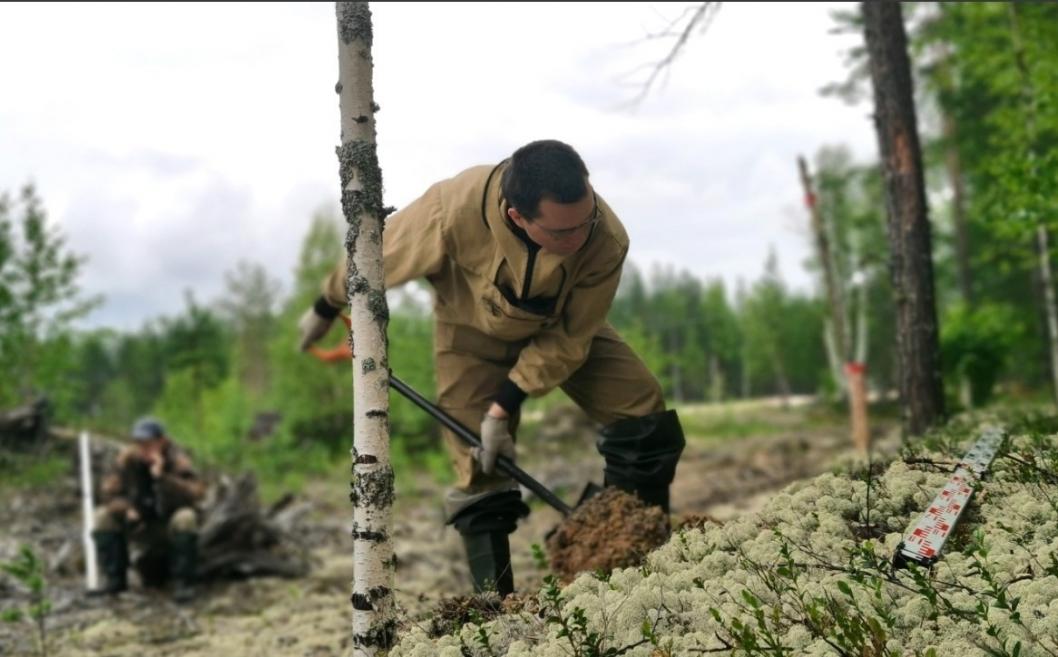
[(837, 365), (372, 484), (835, 328), (1047, 281), (859, 284)]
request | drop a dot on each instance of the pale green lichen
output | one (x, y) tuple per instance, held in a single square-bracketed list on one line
[(1010, 545)]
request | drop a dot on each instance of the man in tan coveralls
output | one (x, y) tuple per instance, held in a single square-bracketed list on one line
[(149, 497), (524, 258)]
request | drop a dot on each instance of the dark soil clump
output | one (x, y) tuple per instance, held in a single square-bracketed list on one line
[(613, 529)]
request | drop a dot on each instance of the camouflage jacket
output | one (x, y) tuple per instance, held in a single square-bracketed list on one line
[(131, 485)]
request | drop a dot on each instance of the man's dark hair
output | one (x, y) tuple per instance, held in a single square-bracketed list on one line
[(543, 169)]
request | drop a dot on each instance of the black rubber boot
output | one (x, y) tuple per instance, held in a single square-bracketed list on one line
[(484, 526), (489, 556), (112, 551), (641, 455), (183, 564)]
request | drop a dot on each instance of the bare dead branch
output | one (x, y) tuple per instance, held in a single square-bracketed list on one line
[(699, 16)]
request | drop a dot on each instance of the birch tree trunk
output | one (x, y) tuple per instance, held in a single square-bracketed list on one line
[(911, 262), (826, 260), (859, 288), (374, 619), (838, 349), (1047, 282), (781, 380), (834, 359)]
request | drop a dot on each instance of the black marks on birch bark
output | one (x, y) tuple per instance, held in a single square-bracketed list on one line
[(373, 488), (354, 23)]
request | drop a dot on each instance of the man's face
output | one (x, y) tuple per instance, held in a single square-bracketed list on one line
[(148, 448), (561, 228)]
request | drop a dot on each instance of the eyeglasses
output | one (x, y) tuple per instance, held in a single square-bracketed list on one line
[(563, 233)]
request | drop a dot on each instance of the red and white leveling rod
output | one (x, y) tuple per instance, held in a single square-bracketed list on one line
[(923, 544)]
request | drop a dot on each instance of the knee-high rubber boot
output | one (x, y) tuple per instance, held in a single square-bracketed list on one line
[(183, 564), (641, 455), (485, 525), (489, 556), (112, 551)]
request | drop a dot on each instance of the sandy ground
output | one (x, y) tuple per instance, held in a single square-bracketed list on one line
[(310, 616)]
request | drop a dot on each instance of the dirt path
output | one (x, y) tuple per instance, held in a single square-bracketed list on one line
[(310, 616)]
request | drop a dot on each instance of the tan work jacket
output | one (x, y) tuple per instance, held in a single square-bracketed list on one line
[(457, 235)]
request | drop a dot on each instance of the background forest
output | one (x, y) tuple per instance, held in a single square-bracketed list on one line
[(226, 377)]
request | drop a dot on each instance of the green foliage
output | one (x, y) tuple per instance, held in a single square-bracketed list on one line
[(314, 399), (782, 336), (987, 80), (431, 460), (727, 426), (685, 331), (850, 200), (411, 359), (39, 298), (248, 307), (211, 421), (977, 343), (18, 471), (28, 570), (992, 72)]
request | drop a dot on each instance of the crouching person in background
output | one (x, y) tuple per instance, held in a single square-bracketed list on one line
[(149, 498)]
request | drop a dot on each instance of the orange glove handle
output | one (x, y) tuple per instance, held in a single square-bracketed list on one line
[(341, 353)]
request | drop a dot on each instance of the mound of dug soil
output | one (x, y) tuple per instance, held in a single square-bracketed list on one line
[(613, 529)]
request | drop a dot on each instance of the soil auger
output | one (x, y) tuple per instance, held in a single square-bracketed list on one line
[(343, 353)]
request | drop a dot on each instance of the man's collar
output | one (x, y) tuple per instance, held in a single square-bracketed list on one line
[(518, 231)]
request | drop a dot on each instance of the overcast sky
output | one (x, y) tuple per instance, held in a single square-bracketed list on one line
[(170, 141)]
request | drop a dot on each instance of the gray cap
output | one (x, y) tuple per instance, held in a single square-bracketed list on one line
[(147, 428)]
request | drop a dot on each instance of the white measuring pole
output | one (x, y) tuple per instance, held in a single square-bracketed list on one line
[(91, 569), (926, 539)]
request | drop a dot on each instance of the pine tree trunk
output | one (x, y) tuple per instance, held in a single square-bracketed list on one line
[(374, 620), (911, 264)]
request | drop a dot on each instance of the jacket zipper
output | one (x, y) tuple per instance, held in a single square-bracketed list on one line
[(529, 272)]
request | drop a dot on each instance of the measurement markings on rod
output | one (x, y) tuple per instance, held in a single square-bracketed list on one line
[(923, 544)]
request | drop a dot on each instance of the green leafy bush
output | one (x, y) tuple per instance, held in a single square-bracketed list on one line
[(28, 570), (975, 345)]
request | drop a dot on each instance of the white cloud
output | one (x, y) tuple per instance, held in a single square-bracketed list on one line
[(172, 140)]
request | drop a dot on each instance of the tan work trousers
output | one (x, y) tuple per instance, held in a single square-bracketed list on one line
[(612, 384)]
